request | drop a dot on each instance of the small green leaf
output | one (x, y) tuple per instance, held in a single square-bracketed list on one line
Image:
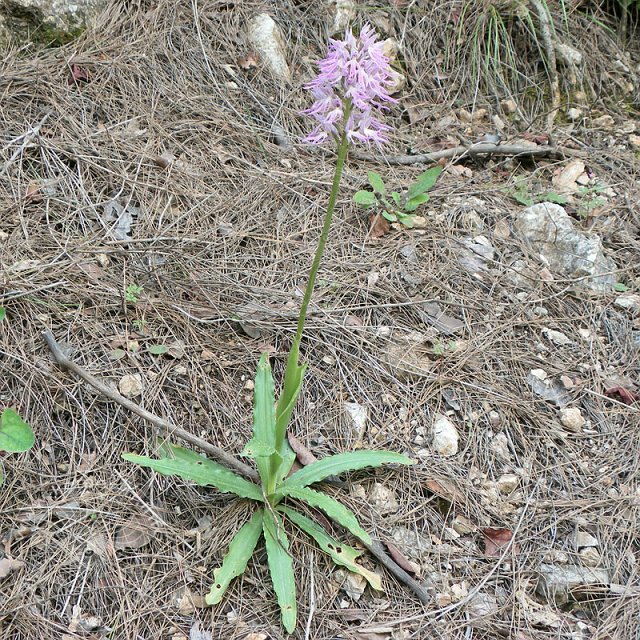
[(335, 465), (117, 354), (203, 472), (257, 449), (263, 443), (287, 400), (158, 349), (414, 203), (281, 568), (376, 181), (365, 198), (334, 509), (287, 457), (395, 196), (425, 182), (552, 196), (406, 219), (522, 197), (340, 553), (16, 435), (619, 287), (3, 313), (389, 216), (236, 558)]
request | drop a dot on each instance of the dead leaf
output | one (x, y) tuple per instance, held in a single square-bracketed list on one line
[(79, 74), (353, 321), (303, 454), (133, 534), (495, 541), (7, 565), (249, 61), (626, 396), (399, 558), (378, 226), (440, 320), (443, 489)]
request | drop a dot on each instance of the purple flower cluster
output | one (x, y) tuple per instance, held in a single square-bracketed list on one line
[(354, 79)]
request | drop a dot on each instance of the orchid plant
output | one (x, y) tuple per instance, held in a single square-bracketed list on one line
[(349, 91)]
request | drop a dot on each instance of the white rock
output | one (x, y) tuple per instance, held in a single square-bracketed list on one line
[(565, 180), (507, 483), (628, 301), (568, 55), (267, 38), (572, 252), (590, 557), (509, 106), (384, 500), (604, 122), (343, 16), (445, 436), (634, 141), (584, 539), (358, 415), (130, 385), (574, 114), (557, 337), (556, 583), (353, 584), (572, 418), (463, 526), (500, 446)]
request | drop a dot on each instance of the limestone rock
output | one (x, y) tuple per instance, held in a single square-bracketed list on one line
[(53, 21), (445, 436), (573, 253), (267, 38)]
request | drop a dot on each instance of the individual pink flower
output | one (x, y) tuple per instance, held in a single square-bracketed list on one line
[(354, 80)]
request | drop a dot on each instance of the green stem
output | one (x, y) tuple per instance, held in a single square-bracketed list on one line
[(333, 196), (292, 371)]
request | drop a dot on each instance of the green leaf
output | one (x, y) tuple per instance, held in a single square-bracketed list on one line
[(203, 472), (340, 553), (334, 509), (288, 398), (257, 449), (413, 203), (15, 434), (335, 465), (235, 561), (389, 216), (425, 182), (287, 458), (264, 443), (522, 197), (365, 198), (158, 349), (406, 219), (281, 568), (376, 181), (620, 287), (3, 313), (117, 354), (552, 196), (395, 197)]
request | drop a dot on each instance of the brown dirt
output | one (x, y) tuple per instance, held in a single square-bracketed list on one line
[(232, 222)]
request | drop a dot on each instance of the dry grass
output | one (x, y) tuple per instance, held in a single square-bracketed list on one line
[(232, 222)]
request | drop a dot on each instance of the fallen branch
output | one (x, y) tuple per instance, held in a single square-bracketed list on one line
[(474, 150), (167, 429)]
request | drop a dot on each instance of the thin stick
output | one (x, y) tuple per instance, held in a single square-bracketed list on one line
[(26, 139), (166, 428), (481, 149), (375, 548)]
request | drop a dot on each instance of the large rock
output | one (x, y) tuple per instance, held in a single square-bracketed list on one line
[(46, 21), (551, 233)]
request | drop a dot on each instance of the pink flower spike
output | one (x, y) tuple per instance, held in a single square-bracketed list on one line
[(355, 76)]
